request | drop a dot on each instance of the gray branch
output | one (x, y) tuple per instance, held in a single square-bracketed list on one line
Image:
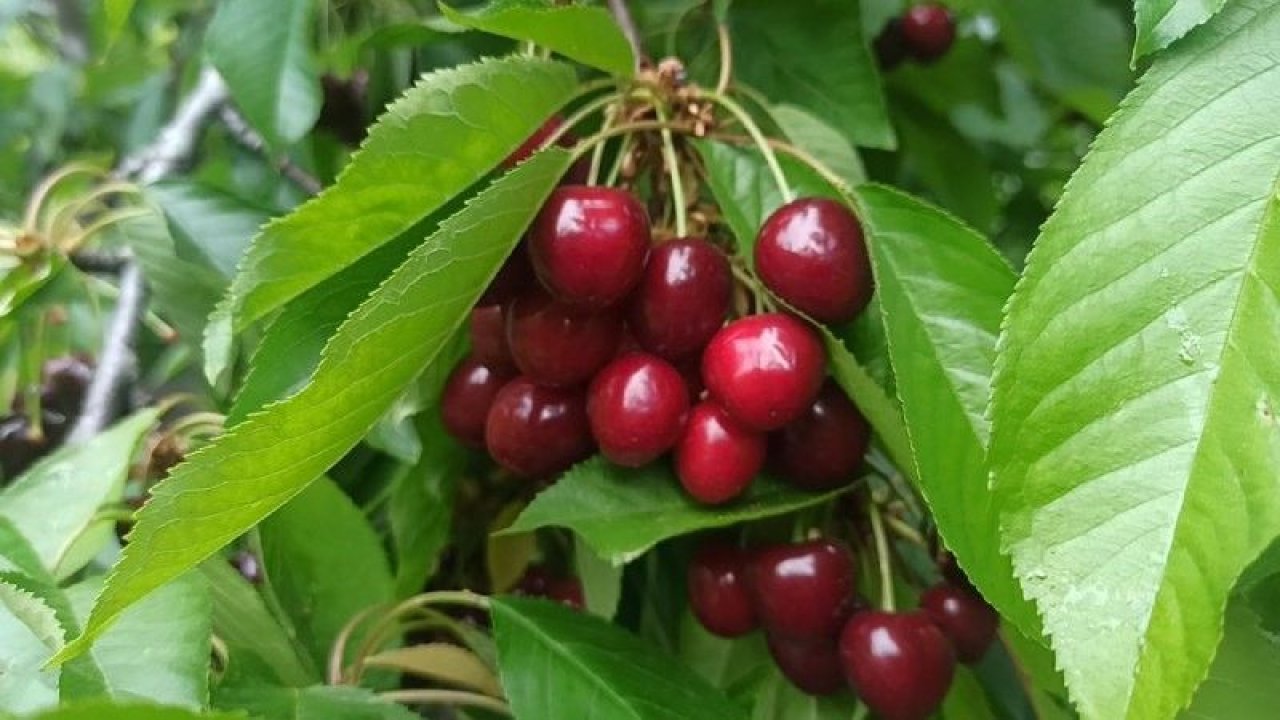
[(117, 364), (177, 141), (251, 140)]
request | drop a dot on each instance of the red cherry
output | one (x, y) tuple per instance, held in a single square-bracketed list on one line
[(514, 278), (900, 665), (965, 618), (765, 369), (567, 591), (637, 406), (558, 345), (534, 582), (717, 458), (682, 298), (718, 593), (488, 331), (466, 398), (803, 591), (537, 431), (588, 244), (813, 666), (822, 448), (811, 252), (928, 31), (537, 581)]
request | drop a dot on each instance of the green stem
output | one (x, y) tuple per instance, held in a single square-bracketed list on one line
[(587, 110), (616, 170), (762, 143), (673, 170), (597, 155), (460, 698), (882, 557)]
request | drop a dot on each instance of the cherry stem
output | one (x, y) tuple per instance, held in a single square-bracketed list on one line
[(46, 186), (460, 698), (74, 242), (589, 143), (377, 633), (803, 156), (153, 322), (618, 161), (882, 557), (77, 207), (597, 156), (761, 142), (905, 531), (726, 58), (673, 170), (587, 110)]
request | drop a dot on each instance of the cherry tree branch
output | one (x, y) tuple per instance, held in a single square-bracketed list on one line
[(251, 140), (117, 364), (177, 141)]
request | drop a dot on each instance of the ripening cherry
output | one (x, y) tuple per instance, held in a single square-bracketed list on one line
[(716, 457), (812, 254), (718, 593), (682, 298), (588, 244), (637, 406), (823, 448), (559, 345), (928, 31), (764, 369), (487, 328), (813, 666), (964, 617), (899, 664), (803, 591), (537, 431), (465, 401)]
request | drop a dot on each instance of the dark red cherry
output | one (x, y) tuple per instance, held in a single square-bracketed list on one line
[(899, 664), (514, 278), (637, 406), (965, 618), (889, 46), (535, 141), (588, 244), (811, 665), (822, 448), (717, 458), (567, 591), (534, 582), (538, 581), (682, 298), (466, 399), (488, 331), (764, 369), (537, 431), (951, 571), (803, 591), (928, 30), (811, 252), (18, 449), (558, 345), (718, 594)]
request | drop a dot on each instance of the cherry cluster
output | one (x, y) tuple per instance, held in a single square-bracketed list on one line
[(824, 637), (923, 33), (64, 381)]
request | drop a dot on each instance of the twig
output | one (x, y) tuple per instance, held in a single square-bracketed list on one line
[(177, 140), (253, 141), (622, 15), (101, 263), (117, 364)]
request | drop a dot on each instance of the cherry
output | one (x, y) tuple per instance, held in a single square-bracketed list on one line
[(822, 448), (637, 406), (718, 594), (764, 369), (813, 666), (717, 458), (928, 30), (588, 244), (537, 581), (682, 298), (488, 331), (537, 431), (965, 618), (465, 401), (889, 46), (513, 279), (558, 345), (900, 664), (18, 449), (535, 141), (811, 252), (803, 591)]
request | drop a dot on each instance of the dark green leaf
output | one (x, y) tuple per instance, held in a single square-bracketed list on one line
[(421, 508), (182, 292), (215, 226), (1241, 683), (951, 168), (313, 703), (778, 699), (586, 34), (129, 710), (257, 645), (723, 662), (1161, 22), (966, 699)]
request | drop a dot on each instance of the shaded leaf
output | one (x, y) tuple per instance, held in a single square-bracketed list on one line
[(421, 507), (257, 645), (723, 662), (586, 34), (215, 226), (601, 580), (820, 140), (29, 634), (314, 703), (777, 699), (1241, 683), (440, 662), (1161, 22), (129, 710)]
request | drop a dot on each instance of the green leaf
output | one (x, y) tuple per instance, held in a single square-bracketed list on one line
[(1134, 442), (117, 16), (323, 579), (1161, 22), (812, 55), (881, 410), (947, 164), (214, 226), (1241, 683), (257, 645), (313, 703), (442, 663), (621, 512), (29, 633), (17, 554), (233, 483), (452, 127), (966, 699), (129, 710), (601, 580), (263, 51), (811, 134), (55, 504), (778, 699), (182, 292), (586, 34), (557, 662), (79, 678), (723, 662), (421, 507)]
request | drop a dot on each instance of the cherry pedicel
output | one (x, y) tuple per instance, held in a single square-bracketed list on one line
[(812, 253), (764, 369), (682, 298), (537, 431), (899, 664), (466, 399), (588, 244), (803, 591), (559, 345), (717, 457), (823, 448), (811, 665), (637, 406), (965, 618), (928, 31), (718, 593)]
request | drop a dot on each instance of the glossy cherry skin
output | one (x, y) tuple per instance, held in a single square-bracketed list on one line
[(716, 457), (514, 278), (813, 666), (588, 244), (465, 401), (637, 406), (717, 586), (965, 618), (537, 431), (812, 253), (899, 664), (682, 298), (823, 448), (488, 330), (764, 369), (558, 345), (803, 591), (928, 31)]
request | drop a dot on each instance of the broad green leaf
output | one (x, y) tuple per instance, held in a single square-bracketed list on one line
[(586, 34), (230, 485), (183, 292), (323, 579), (129, 710), (117, 16), (79, 678), (557, 663), (16, 553), (966, 699), (601, 580), (1134, 440), (942, 160), (257, 646), (1241, 683), (812, 55), (263, 51), (443, 135), (421, 507), (723, 662), (313, 703), (29, 634), (209, 224), (622, 512), (811, 134), (778, 699), (1161, 22), (56, 503)]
